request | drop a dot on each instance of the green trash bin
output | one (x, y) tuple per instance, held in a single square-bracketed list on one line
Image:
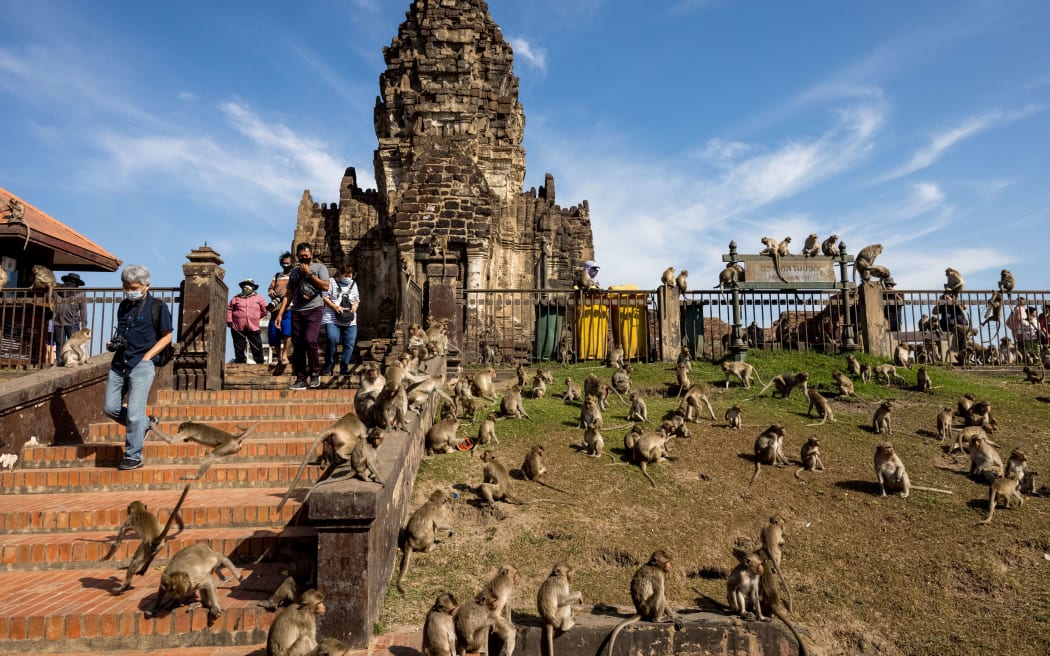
[(550, 318), (692, 321)]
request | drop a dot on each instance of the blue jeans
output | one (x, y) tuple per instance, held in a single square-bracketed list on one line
[(135, 385), (345, 334)]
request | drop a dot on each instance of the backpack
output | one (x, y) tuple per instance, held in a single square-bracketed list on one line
[(168, 352), (347, 314)]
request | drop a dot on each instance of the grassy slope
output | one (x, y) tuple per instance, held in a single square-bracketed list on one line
[(869, 574)]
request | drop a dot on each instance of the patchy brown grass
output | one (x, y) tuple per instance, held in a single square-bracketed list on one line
[(869, 575)]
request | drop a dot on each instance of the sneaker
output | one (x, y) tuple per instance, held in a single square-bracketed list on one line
[(344, 372), (299, 384), (315, 381), (327, 371), (128, 464)]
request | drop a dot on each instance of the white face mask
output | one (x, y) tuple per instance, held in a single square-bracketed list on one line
[(134, 295)]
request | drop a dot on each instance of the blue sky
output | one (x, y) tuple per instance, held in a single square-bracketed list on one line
[(155, 127)]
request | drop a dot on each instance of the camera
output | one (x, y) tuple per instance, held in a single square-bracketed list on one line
[(271, 306), (117, 343)]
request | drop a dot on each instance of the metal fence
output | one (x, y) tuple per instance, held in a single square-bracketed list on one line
[(503, 326), (26, 330)]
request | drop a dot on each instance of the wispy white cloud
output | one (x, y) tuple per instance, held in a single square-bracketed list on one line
[(187, 96), (525, 50), (943, 141)]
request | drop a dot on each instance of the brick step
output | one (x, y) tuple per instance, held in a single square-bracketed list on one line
[(249, 412), (153, 476), (82, 549), (248, 650), (277, 383), (71, 610), (168, 397), (106, 511), (110, 429), (258, 447)]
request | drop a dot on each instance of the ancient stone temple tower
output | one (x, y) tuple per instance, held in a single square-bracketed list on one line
[(450, 170)]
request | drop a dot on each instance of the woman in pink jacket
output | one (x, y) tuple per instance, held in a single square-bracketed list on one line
[(242, 316)]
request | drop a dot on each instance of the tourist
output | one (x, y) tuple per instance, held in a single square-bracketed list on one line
[(70, 309), (242, 316), (591, 267), (1023, 323), (302, 298), (143, 331), (893, 304), (340, 320), (280, 331)]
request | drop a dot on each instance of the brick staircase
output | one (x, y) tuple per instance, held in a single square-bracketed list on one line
[(60, 511)]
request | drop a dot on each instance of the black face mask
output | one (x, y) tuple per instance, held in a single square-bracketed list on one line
[(286, 267), (304, 260)]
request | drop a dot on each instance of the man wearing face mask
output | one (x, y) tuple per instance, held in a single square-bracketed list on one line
[(306, 283), (280, 332), (143, 331), (242, 316), (340, 320)]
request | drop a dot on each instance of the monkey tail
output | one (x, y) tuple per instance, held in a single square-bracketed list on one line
[(762, 391), (405, 560), (819, 423), (153, 549), (248, 431), (302, 467), (758, 465), (616, 631), (798, 472), (760, 381), (645, 472), (780, 615), (776, 267)]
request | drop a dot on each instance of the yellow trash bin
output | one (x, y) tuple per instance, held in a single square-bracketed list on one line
[(592, 328), (629, 321)]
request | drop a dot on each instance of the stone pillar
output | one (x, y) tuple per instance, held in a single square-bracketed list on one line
[(477, 252), (670, 322), (442, 294), (202, 322), (873, 328)]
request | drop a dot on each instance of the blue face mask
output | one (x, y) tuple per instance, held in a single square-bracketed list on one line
[(346, 281), (134, 295)]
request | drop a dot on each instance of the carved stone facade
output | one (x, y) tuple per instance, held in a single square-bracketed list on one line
[(450, 169)]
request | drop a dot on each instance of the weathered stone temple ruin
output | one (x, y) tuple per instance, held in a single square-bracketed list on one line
[(450, 170)]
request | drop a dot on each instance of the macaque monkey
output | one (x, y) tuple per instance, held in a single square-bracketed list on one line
[(985, 462), (1018, 465), (511, 404), (742, 585), (191, 570), (590, 413), (419, 393), (593, 441), (773, 250), (770, 602), (923, 381), (372, 383), (439, 629), (730, 276), (539, 387), (667, 278), (1006, 488), (954, 283), (734, 416), (331, 647), (648, 595), (685, 356), (812, 246), (865, 373), (474, 621), (615, 357), (902, 355), (965, 436), (547, 375), (980, 414), (222, 444), (442, 438), (482, 384), (566, 352), (294, 630), (844, 383), (73, 351), (964, 405), (675, 425), (682, 282), (429, 522), (621, 380), (583, 279), (339, 441), (944, 424), (993, 310), (742, 370), (852, 365), (522, 373), (592, 386), (827, 247), (554, 602), (816, 399), (572, 391), (1032, 377), (694, 401), (769, 449), (880, 421), (363, 459), (486, 432), (1007, 282), (682, 378), (785, 383), (890, 472), (639, 411), (649, 448), (864, 261), (887, 371), (152, 536), (495, 484), (810, 456), (43, 280), (500, 589), (532, 468), (783, 247)]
